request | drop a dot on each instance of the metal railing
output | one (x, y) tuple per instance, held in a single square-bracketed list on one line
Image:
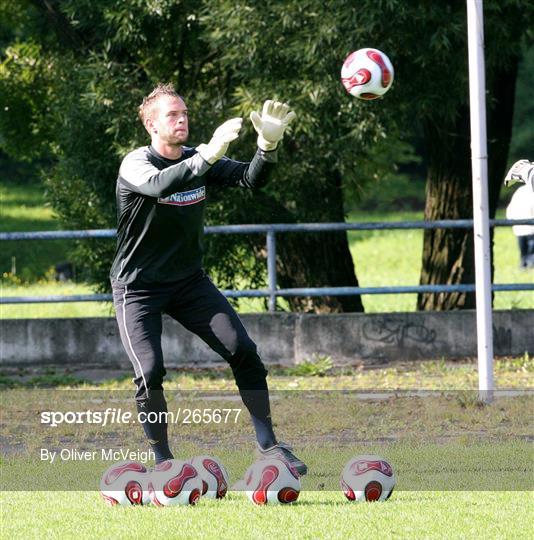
[(272, 292)]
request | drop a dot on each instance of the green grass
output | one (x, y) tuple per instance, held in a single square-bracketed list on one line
[(55, 310), (315, 515), (464, 469), (313, 374), (387, 258), (23, 209)]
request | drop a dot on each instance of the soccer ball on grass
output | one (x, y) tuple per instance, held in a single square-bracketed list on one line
[(213, 475), (125, 483), (367, 478), (174, 482), (272, 481)]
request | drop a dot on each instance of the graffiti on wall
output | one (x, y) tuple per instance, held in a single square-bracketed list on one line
[(398, 332)]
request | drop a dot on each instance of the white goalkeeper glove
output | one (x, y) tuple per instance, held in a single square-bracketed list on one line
[(272, 123), (220, 140), (521, 171)]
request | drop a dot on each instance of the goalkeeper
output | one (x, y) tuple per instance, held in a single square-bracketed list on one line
[(161, 196)]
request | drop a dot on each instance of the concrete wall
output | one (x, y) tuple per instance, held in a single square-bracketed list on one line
[(282, 338)]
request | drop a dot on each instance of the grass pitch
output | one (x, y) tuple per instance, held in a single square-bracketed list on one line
[(314, 516), (464, 470)]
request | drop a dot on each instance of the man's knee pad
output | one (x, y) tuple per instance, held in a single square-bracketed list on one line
[(149, 380), (247, 367), (153, 401)]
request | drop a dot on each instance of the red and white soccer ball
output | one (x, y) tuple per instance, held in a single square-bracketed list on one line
[(367, 74), (367, 478), (213, 475), (272, 481), (125, 483), (173, 483)]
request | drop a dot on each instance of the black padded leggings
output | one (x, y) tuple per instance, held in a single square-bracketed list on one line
[(200, 307)]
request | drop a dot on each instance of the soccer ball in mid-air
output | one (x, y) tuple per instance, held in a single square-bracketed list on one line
[(213, 475), (272, 481), (125, 483), (367, 478), (367, 74), (174, 482)]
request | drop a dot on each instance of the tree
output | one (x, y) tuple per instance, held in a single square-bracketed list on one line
[(96, 66), (94, 62), (75, 71), (523, 134)]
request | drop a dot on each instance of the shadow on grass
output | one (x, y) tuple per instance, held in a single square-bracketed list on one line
[(42, 381), (57, 378)]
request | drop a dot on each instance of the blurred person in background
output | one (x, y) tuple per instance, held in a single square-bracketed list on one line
[(522, 207)]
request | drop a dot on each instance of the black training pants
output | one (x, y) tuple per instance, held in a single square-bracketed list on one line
[(200, 307)]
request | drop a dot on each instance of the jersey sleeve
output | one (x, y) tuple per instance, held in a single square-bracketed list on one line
[(141, 176), (252, 175)]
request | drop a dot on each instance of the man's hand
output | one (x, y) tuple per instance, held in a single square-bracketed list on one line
[(272, 123), (222, 137), (521, 171)]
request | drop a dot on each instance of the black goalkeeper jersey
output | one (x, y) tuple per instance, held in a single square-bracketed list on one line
[(160, 210)]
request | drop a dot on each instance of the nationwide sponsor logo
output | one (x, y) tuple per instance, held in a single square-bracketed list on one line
[(185, 198)]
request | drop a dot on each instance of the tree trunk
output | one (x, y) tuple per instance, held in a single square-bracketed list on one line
[(448, 254), (500, 123), (318, 259)]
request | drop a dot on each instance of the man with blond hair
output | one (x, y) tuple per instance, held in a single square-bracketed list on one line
[(161, 197)]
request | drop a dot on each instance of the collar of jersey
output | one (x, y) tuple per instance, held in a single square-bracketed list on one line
[(153, 151)]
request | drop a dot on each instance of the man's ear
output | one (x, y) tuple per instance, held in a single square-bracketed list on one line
[(149, 125)]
